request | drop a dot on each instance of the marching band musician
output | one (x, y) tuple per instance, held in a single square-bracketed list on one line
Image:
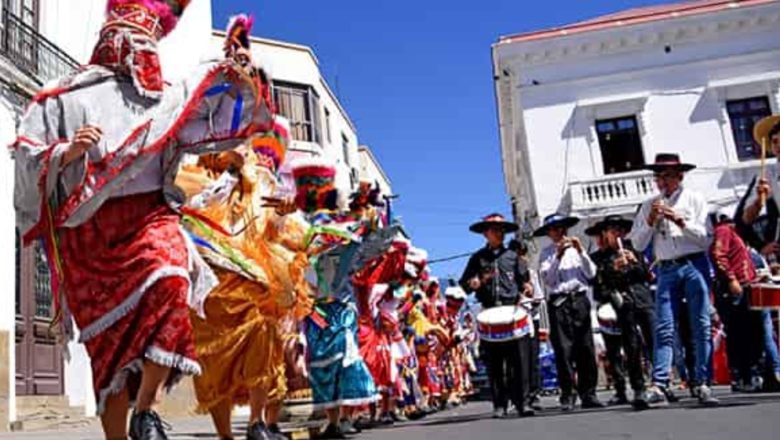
[(676, 224), (765, 199), (566, 270), (493, 273), (767, 132), (623, 283), (534, 303), (735, 272)]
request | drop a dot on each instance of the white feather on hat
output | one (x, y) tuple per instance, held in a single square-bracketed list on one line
[(417, 255), (455, 292)]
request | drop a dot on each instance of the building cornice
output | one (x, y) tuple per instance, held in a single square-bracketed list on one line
[(635, 38), (367, 150)]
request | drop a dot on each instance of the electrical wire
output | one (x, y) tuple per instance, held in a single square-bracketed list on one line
[(450, 258)]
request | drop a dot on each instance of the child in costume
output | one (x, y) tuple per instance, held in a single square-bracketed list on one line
[(339, 245), (95, 157)]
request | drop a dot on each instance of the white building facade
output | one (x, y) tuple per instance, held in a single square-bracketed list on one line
[(583, 107)]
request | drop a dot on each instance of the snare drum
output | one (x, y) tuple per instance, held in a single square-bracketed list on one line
[(764, 296), (505, 323), (608, 322)]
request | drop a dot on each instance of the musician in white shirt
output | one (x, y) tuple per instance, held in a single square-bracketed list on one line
[(566, 271), (676, 224)]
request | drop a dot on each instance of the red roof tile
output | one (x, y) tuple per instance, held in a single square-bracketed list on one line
[(635, 16)]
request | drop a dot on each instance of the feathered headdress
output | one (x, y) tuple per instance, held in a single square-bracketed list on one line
[(315, 184), (367, 194), (271, 147), (158, 17), (238, 31)]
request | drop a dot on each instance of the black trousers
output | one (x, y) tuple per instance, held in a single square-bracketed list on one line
[(633, 323), (534, 374), (572, 340), (644, 318), (744, 333), (507, 364)]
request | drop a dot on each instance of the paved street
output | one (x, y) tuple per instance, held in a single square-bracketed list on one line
[(754, 416)]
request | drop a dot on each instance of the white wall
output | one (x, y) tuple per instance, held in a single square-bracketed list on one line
[(678, 97), (180, 52), (370, 170), (187, 45), (58, 24)]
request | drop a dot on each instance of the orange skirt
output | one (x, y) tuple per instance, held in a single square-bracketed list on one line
[(239, 344)]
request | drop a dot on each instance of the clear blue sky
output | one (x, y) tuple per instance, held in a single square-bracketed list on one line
[(415, 77)]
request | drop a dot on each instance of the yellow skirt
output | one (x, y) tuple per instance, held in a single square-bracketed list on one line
[(239, 345)]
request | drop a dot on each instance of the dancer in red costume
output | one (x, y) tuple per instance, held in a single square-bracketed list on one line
[(95, 161)]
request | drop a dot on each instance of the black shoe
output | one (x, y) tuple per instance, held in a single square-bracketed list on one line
[(618, 399), (331, 432), (526, 411), (705, 396), (386, 419), (669, 394), (147, 425), (639, 403), (592, 402), (417, 414), (258, 431), (568, 403), (364, 424), (276, 431)]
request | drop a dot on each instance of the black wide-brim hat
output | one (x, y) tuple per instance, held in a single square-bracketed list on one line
[(555, 220), (493, 221), (595, 230), (616, 221), (669, 161)]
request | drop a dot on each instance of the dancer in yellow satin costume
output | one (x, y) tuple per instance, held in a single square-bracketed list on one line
[(261, 281)]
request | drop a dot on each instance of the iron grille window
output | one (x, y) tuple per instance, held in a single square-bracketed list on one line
[(27, 49), (743, 114), (354, 179), (301, 106), (345, 148), (621, 144), (327, 124), (43, 296)]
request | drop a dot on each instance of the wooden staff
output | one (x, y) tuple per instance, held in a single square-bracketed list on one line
[(763, 168)]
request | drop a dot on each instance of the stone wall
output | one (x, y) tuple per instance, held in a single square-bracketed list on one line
[(5, 380)]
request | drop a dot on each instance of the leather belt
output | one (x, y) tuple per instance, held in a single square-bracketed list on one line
[(681, 260)]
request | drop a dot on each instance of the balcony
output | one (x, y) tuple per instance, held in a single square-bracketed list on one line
[(31, 53), (621, 193)]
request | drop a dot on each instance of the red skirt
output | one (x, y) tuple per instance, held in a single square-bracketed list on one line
[(375, 349), (125, 281)]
